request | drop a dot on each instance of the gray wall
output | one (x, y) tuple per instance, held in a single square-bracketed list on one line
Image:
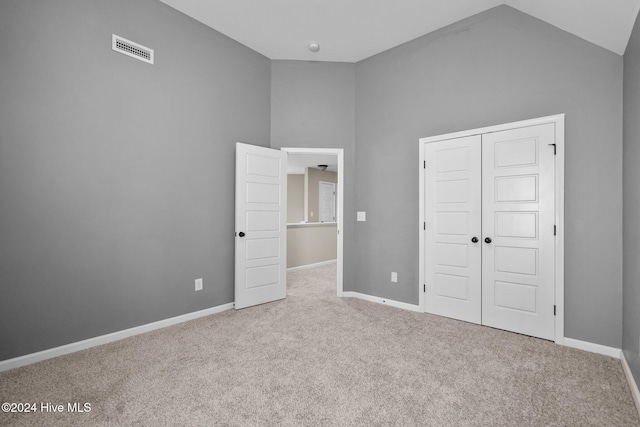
[(631, 213), (496, 67), (116, 175), (312, 106)]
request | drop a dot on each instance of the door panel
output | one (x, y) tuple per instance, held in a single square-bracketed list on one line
[(453, 207), (518, 216), (522, 225), (260, 247)]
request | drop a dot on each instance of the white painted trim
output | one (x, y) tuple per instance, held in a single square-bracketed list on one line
[(392, 303), (495, 128), (28, 359), (559, 190), (592, 348), (317, 264), (558, 120), (339, 152), (633, 386), (421, 231)]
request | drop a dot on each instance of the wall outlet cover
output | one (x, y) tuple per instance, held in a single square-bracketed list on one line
[(198, 284), (394, 277), (362, 216)]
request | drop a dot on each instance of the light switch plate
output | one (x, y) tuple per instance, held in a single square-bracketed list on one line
[(362, 216)]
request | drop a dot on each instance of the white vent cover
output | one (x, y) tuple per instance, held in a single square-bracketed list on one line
[(134, 50)]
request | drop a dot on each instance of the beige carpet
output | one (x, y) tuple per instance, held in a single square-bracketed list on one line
[(315, 359)]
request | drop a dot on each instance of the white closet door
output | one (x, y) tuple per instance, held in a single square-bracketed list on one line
[(452, 209), (518, 230)]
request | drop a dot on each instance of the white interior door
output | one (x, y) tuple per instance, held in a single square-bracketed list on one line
[(453, 227), (261, 225), (327, 201), (518, 230)]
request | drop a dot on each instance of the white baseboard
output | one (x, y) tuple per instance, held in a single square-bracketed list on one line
[(317, 264), (370, 298), (593, 348), (632, 382), (28, 359)]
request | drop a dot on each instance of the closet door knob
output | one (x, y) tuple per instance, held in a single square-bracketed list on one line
[(241, 234), (474, 239), (487, 240)]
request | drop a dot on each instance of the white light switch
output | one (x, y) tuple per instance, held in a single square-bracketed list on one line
[(362, 216)]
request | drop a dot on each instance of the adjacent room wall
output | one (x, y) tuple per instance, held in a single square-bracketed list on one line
[(496, 67), (295, 198), (631, 214), (116, 175), (311, 244), (312, 106)]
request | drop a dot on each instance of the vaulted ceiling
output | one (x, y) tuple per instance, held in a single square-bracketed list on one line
[(352, 30)]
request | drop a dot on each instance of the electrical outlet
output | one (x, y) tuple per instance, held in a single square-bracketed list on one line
[(198, 284), (394, 277)]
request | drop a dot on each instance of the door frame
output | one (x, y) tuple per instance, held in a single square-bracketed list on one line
[(339, 153), (558, 121)]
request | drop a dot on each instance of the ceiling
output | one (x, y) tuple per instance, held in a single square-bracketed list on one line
[(352, 30), (297, 162)]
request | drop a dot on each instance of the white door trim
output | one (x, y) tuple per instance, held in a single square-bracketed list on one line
[(558, 120), (339, 153)]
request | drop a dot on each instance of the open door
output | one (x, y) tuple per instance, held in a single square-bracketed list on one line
[(261, 225)]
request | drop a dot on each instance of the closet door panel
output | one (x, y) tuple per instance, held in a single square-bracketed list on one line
[(517, 227), (452, 215)]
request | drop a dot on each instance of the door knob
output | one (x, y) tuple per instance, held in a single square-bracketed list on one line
[(474, 239), (487, 240), (241, 234)]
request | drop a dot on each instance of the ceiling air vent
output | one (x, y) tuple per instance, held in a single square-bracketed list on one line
[(132, 49)]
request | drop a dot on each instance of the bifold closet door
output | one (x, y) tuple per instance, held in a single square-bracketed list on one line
[(489, 229), (453, 226), (518, 230)]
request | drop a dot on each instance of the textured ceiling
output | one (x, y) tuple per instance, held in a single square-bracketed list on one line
[(352, 30)]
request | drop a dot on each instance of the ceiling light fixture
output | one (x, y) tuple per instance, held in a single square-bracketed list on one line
[(322, 167), (314, 47)]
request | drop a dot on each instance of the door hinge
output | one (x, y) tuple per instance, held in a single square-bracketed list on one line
[(424, 225), (554, 310), (555, 229), (424, 288), (554, 149), (424, 165)]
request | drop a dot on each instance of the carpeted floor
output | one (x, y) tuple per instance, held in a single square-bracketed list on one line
[(316, 359)]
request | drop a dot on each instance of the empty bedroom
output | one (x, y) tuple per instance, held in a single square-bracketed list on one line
[(461, 245)]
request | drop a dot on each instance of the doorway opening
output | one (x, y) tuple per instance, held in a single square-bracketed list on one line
[(312, 172)]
